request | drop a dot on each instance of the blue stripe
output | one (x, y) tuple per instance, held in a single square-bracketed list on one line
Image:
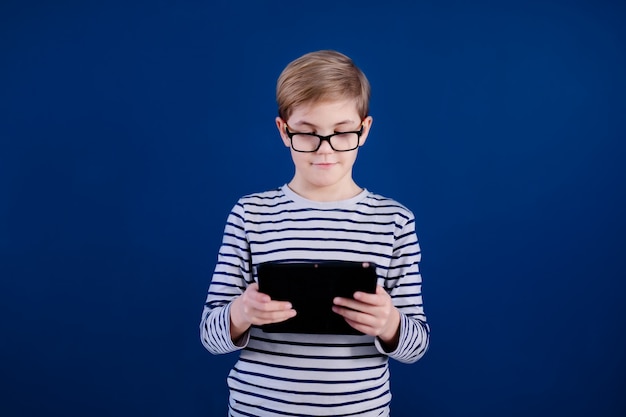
[(314, 239), (324, 220), (329, 211), (313, 357), (312, 381), (319, 229), (326, 394), (309, 369), (322, 250), (304, 404), (320, 344)]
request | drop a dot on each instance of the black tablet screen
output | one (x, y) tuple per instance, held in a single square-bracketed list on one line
[(311, 287)]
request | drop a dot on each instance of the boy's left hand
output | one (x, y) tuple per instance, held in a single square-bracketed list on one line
[(372, 314)]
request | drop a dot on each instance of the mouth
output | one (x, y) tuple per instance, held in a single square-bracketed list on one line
[(324, 164)]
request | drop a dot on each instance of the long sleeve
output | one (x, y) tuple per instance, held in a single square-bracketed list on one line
[(230, 278), (404, 284)]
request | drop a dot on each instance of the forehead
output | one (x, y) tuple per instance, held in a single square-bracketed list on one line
[(325, 113)]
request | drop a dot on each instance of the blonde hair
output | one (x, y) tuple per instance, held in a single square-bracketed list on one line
[(319, 76)]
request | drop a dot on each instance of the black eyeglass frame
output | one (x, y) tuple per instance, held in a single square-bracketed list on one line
[(325, 138)]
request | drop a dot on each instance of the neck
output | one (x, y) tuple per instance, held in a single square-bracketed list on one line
[(325, 194)]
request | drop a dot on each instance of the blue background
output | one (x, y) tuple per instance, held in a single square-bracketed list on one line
[(129, 129)]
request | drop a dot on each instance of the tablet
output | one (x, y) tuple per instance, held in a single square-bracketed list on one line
[(310, 288)]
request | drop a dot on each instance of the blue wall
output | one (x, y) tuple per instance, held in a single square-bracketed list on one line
[(128, 131)]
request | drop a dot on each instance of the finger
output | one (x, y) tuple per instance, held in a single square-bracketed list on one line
[(358, 320), (275, 316), (255, 294), (266, 317), (378, 298), (348, 303), (355, 315), (270, 306), (362, 328)]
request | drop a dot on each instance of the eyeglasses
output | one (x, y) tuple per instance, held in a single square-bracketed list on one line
[(338, 141)]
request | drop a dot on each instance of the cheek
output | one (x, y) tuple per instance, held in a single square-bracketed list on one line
[(349, 159), (299, 159)]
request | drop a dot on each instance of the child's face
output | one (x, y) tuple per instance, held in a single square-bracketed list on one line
[(325, 172)]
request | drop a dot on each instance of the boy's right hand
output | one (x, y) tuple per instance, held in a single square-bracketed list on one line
[(254, 307)]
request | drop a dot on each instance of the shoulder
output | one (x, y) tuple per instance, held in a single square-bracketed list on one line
[(380, 202), (265, 199)]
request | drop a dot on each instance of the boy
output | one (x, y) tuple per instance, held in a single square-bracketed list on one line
[(320, 215)]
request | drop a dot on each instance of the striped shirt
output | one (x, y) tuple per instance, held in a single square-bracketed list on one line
[(282, 374)]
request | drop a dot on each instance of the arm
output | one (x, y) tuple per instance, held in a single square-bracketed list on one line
[(394, 314), (234, 302), (232, 275), (404, 285)]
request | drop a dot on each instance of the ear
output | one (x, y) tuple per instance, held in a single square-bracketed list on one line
[(281, 124), (367, 125)]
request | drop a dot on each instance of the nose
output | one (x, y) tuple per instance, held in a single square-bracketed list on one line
[(325, 146)]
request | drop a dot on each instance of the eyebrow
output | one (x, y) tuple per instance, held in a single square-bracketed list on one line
[(304, 123)]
